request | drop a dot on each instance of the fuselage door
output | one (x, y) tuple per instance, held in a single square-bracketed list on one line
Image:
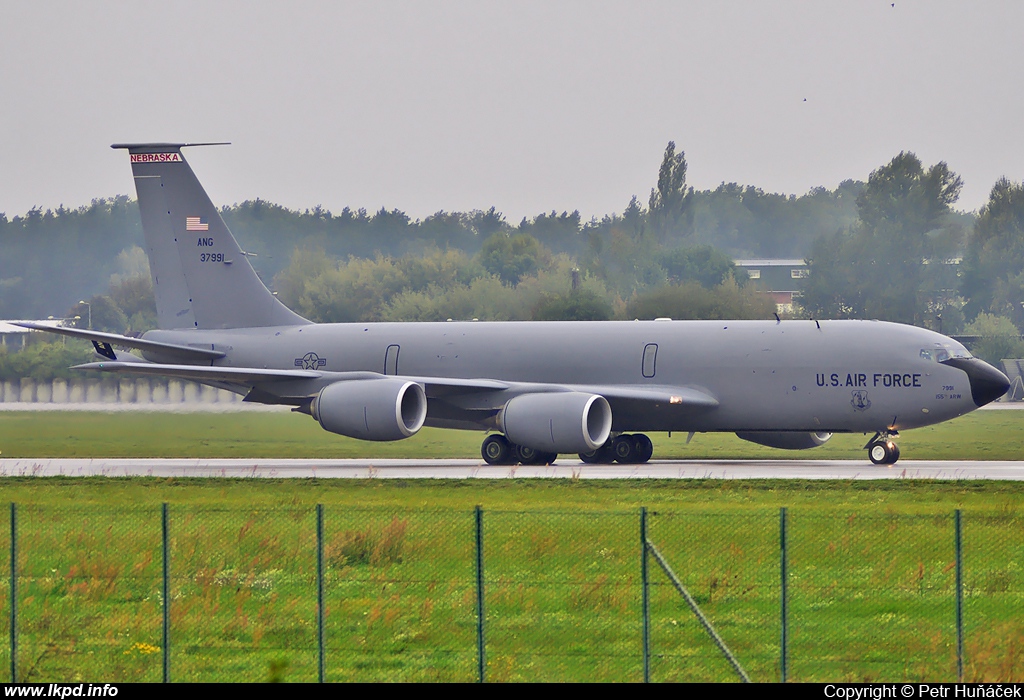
[(391, 360), (650, 357)]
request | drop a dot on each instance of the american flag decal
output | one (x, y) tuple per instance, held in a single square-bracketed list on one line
[(196, 223)]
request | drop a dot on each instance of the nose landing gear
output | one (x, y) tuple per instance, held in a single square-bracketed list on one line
[(881, 449)]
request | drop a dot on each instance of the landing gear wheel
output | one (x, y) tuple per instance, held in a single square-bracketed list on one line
[(602, 455), (546, 457), (497, 450), (624, 449), (528, 455), (643, 448), (883, 452)]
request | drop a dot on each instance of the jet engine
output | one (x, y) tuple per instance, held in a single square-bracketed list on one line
[(784, 440), (371, 409), (557, 422)]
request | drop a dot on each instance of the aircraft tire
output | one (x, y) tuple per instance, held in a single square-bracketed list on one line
[(643, 447), (546, 457), (526, 455), (496, 449), (883, 452), (895, 454), (602, 455), (624, 449)]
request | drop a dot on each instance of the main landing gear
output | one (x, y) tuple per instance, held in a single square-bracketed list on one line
[(624, 449), (497, 449), (882, 450)]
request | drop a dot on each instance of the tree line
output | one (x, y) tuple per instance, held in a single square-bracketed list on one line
[(893, 248), (55, 257)]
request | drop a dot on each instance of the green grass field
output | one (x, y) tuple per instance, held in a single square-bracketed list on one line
[(994, 434), (871, 580), (871, 565)]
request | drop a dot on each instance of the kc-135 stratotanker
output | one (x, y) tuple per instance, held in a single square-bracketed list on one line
[(540, 389)]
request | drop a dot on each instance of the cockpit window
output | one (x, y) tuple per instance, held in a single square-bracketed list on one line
[(942, 352)]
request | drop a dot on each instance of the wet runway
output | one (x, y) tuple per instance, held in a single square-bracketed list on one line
[(475, 469)]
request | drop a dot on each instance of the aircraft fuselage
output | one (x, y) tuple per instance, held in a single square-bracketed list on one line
[(831, 376)]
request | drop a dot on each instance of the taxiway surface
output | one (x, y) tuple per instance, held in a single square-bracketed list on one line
[(475, 469)]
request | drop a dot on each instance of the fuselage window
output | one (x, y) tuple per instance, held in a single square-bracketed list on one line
[(650, 357)]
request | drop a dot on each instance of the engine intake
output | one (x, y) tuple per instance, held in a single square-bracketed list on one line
[(557, 422), (371, 409), (785, 440)]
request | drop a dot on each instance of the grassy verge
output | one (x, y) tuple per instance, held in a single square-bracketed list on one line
[(871, 579), (872, 565), (980, 435)]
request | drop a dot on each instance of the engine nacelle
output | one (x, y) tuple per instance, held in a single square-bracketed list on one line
[(557, 422), (371, 409), (784, 440)]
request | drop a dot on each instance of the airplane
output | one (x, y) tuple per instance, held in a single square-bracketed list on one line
[(539, 389)]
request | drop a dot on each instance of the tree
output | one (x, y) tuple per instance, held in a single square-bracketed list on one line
[(512, 257), (998, 338), (894, 263), (635, 218), (690, 300), (576, 305), (134, 297), (703, 264), (993, 267), (669, 205), (557, 232), (102, 311)]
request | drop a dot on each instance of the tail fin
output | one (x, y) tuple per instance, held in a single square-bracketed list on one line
[(201, 277)]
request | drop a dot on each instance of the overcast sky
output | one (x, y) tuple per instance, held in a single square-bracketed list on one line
[(524, 106)]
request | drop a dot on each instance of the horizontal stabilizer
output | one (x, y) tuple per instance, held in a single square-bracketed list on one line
[(185, 352)]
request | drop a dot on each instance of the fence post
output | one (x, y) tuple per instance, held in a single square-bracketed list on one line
[(481, 659), (959, 599), (165, 535), (320, 591), (14, 593), (784, 597), (645, 595)]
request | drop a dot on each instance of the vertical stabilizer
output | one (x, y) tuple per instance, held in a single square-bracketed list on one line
[(201, 277)]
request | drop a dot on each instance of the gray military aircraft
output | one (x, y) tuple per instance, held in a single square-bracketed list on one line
[(547, 387)]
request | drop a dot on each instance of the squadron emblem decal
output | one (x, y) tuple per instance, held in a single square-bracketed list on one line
[(860, 401), (310, 361)]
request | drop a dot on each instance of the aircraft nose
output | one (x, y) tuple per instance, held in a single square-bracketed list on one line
[(987, 383)]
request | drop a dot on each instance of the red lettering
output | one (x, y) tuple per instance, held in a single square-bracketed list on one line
[(155, 158)]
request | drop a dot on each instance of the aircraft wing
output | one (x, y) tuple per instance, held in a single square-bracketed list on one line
[(249, 376), (230, 375), (672, 395), (104, 343), (493, 393)]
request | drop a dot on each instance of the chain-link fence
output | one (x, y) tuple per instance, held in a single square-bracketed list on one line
[(197, 593)]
